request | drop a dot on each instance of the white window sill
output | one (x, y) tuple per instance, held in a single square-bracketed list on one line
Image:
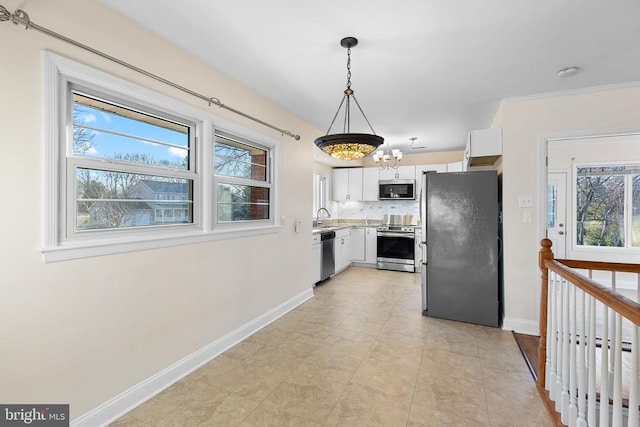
[(79, 250)]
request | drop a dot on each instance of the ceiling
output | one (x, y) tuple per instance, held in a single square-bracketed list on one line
[(427, 69)]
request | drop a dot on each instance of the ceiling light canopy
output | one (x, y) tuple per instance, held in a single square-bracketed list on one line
[(347, 145)]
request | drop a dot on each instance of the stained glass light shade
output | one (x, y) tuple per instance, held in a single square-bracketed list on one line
[(349, 146)]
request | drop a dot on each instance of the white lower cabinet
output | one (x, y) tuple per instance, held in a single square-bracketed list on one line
[(357, 244), (370, 245), (316, 253), (342, 249)]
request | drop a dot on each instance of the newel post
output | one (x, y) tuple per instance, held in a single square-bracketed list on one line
[(545, 253)]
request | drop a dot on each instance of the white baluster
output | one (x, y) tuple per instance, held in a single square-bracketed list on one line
[(634, 388), (557, 395), (552, 335), (592, 404), (617, 374), (604, 368), (566, 352), (573, 347), (612, 334), (582, 422)]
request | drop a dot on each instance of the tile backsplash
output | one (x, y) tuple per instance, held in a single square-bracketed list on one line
[(373, 210)]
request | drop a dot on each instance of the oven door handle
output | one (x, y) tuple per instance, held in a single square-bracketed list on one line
[(392, 234)]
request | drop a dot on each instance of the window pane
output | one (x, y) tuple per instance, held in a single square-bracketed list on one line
[(239, 160), (551, 206), (635, 216), (242, 203), (600, 208), (111, 200), (105, 130)]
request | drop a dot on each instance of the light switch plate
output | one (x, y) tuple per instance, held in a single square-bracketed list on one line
[(525, 201)]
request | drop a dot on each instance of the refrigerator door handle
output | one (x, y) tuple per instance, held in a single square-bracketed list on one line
[(423, 246)]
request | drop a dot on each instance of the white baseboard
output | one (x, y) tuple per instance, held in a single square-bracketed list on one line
[(521, 326), (136, 395)]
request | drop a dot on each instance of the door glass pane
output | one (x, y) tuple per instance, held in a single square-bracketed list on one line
[(551, 206), (600, 207)]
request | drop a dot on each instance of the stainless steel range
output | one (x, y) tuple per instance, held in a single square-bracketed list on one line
[(396, 244)]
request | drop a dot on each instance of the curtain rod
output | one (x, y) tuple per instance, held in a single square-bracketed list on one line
[(20, 17)]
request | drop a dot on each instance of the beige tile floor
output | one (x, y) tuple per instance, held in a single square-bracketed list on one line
[(358, 354)]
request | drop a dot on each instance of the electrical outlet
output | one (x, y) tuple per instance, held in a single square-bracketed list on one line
[(527, 217)]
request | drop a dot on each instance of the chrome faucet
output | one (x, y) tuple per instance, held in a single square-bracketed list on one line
[(318, 221)]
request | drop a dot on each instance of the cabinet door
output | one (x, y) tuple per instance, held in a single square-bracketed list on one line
[(440, 168), (403, 172), (355, 184), (370, 178), (316, 252), (455, 167), (484, 147), (371, 246), (340, 184), (485, 142), (340, 253), (357, 244)]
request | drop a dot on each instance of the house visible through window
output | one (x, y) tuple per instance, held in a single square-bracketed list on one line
[(132, 167), (608, 206), (242, 180), (125, 170)]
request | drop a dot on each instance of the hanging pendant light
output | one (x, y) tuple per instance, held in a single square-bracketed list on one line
[(349, 146)]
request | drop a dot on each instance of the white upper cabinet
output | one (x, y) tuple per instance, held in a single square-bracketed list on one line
[(403, 172), (370, 177), (440, 168), (483, 147), (455, 167), (347, 184)]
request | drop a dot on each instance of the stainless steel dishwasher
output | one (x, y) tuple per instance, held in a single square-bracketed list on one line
[(328, 268)]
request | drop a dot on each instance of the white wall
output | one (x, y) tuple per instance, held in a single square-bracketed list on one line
[(526, 124), (84, 331)]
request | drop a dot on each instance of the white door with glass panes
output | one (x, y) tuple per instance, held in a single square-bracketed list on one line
[(557, 212)]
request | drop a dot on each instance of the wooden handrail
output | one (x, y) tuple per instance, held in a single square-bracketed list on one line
[(601, 266), (618, 303)]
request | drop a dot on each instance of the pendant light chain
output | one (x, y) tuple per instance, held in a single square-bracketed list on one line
[(349, 68)]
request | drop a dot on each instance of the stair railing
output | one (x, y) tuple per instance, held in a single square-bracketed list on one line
[(589, 348)]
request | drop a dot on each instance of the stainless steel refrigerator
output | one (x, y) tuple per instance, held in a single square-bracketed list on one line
[(461, 247)]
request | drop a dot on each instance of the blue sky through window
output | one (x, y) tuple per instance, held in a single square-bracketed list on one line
[(142, 128)]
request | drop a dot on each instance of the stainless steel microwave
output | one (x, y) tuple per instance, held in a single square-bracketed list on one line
[(397, 189)]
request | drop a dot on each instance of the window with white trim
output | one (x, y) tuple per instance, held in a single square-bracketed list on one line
[(607, 206), (243, 180), (128, 166), (130, 169)]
